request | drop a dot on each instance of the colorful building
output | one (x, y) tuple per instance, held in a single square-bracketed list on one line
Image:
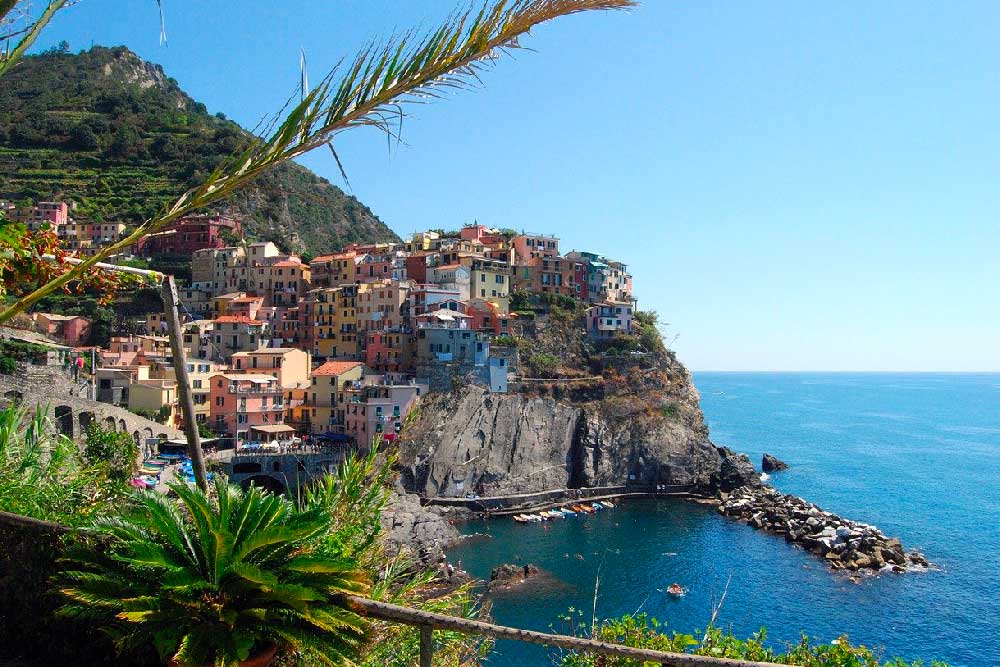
[(242, 401)]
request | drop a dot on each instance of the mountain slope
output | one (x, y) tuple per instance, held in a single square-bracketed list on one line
[(117, 136)]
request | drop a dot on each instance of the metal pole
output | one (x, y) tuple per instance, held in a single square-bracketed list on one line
[(169, 293), (426, 646)]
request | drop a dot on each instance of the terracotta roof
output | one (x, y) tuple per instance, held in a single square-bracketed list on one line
[(336, 367), (446, 266), (287, 263), (267, 350), (239, 319)]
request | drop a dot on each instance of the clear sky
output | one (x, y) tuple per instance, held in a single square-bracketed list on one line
[(795, 186)]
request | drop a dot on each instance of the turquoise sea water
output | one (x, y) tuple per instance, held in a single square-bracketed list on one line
[(916, 454)]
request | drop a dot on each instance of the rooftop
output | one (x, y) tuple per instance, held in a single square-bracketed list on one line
[(336, 367)]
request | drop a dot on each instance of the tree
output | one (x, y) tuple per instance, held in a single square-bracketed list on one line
[(372, 90)]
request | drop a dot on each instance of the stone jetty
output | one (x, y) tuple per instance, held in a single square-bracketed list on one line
[(844, 544)]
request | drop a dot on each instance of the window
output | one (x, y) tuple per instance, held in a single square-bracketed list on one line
[(196, 384)]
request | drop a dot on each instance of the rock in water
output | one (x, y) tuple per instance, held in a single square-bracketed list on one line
[(772, 464), (736, 471), (508, 575)]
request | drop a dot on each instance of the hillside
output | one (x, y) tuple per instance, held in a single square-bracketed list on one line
[(116, 135)]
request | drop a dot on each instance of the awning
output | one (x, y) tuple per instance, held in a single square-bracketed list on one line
[(333, 437), (177, 442), (273, 428)]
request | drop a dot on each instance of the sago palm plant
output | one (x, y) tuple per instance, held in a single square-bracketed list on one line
[(218, 580)]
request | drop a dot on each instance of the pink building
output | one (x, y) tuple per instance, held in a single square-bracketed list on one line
[(239, 402), (71, 330), (389, 351), (529, 246), (378, 406)]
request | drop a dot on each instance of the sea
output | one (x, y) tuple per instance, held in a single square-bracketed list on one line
[(918, 455)]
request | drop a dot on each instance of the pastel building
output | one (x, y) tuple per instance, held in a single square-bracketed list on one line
[(609, 319), (377, 406), (240, 402), (72, 330), (289, 366), (324, 407)]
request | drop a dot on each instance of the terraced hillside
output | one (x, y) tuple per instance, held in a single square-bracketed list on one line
[(113, 133)]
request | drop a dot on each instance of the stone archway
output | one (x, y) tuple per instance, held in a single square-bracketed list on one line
[(14, 396), (64, 420), (85, 418), (265, 482), (109, 423), (137, 438), (122, 426)]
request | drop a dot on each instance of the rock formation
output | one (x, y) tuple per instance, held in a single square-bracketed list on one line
[(845, 544), (772, 464), (508, 575)]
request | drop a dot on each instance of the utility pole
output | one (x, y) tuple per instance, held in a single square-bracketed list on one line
[(168, 291)]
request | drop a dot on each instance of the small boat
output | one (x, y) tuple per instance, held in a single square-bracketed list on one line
[(588, 509), (579, 509), (610, 505), (520, 518), (555, 514), (567, 511), (675, 590)]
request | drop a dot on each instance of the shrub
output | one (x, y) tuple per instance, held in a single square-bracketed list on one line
[(642, 631), (41, 472), (115, 450), (543, 365)]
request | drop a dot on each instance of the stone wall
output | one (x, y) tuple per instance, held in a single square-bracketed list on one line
[(71, 411), (30, 633)]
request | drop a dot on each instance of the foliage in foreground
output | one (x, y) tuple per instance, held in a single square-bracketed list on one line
[(215, 580), (642, 631), (42, 474), (356, 497)]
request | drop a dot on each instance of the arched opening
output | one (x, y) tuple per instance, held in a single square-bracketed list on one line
[(14, 396), (109, 423), (265, 482), (64, 419), (122, 426), (137, 438), (86, 419)]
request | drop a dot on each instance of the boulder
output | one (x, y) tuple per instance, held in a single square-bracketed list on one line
[(736, 470), (772, 464)]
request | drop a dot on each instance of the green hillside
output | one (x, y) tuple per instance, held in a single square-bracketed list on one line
[(114, 134)]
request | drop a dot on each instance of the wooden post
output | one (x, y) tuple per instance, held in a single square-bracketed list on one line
[(426, 646), (169, 293)]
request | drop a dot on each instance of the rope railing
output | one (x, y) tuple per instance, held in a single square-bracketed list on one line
[(427, 622)]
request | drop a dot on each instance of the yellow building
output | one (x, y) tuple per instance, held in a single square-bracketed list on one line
[(490, 280), (324, 406), (151, 396)]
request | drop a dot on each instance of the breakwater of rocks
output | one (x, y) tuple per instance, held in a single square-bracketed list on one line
[(844, 544)]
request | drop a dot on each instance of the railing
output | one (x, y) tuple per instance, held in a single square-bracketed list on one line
[(428, 622)]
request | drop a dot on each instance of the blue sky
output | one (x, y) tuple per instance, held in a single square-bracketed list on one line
[(796, 186)]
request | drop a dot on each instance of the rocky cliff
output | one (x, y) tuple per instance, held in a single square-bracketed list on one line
[(644, 427)]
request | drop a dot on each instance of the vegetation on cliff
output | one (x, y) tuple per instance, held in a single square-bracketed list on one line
[(115, 135)]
